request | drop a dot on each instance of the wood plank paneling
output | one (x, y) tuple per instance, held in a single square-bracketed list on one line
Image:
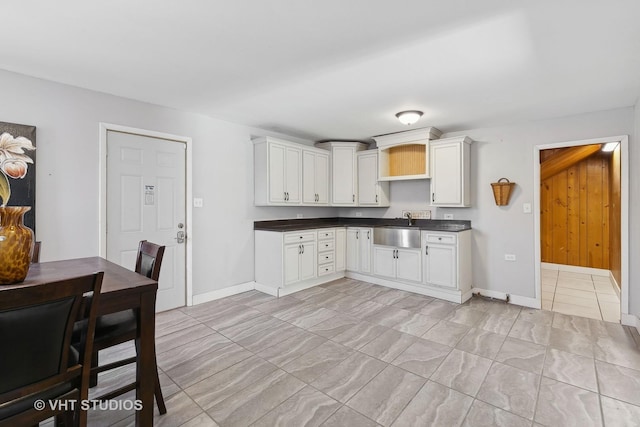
[(574, 213), (559, 230), (545, 220), (573, 216), (615, 245), (408, 159)]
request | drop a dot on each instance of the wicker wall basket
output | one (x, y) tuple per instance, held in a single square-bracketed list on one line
[(502, 191)]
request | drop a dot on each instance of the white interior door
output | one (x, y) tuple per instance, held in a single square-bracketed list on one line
[(146, 200)]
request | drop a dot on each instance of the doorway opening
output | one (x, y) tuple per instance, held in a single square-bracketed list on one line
[(581, 227)]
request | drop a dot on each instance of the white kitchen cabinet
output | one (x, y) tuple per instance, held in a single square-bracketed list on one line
[(299, 258), (447, 259), (326, 251), (277, 172), (359, 249), (397, 263), (405, 155), (371, 192), (315, 177), (450, 172), (344, 176), (341, 249)]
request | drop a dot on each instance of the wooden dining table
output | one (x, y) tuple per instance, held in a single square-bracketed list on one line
[(122, 289)]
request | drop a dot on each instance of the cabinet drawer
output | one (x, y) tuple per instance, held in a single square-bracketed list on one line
[(325, 257), (326, 234), (326, 245), (326, 269), (441, 238), (299, 237)]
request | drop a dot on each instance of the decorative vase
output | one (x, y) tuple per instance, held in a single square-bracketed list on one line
[(16, 241)]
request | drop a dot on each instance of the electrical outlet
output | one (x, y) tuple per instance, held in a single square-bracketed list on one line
[(448, 216), (299, 216), (509, 257), (197, 202), (358, 213)]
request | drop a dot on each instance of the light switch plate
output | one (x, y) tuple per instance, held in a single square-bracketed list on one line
[(526, 207)]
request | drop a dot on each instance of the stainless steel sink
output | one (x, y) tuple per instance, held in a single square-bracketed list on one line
[(397, 237)]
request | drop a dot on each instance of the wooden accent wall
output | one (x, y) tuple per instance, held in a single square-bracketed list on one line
[(574, 213), (615, 246), (407, 159)]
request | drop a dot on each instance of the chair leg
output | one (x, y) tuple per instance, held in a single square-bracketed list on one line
[(158, 393), (93, 376), (157, 390)]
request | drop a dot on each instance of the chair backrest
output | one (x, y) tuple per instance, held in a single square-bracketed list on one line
[(149, 259), (35, 256), (36, 325)]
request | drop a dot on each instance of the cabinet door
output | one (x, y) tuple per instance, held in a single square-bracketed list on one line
[(292, 263), (293, 174), (308, 177), (341, 248), (440, 265), (384, 262), (366, 240), (409, 265), (446, 174), (368, 179), (322, 178), (343, 174), (308, 261), (353, 249), (277, 159)]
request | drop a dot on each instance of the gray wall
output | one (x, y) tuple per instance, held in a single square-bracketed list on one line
[(67, 121)]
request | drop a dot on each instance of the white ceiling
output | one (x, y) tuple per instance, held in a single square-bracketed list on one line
[(337, 69)]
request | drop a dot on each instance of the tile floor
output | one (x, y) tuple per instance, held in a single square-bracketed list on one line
[(580, 294), (353, 354)]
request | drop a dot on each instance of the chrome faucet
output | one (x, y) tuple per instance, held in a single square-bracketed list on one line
[(409, 218)]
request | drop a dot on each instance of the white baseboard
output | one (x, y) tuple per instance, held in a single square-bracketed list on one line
[(224, 292), (615, 284), (630, 320), (513, 299), (575, 269)]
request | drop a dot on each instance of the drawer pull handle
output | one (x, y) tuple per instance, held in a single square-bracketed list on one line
[(426, 250)]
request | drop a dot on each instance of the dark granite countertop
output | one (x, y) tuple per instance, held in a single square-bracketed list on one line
[(283, 225)]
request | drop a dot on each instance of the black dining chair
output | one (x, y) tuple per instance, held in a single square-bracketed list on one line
[(117, 328), (37, 361), (35, 255)]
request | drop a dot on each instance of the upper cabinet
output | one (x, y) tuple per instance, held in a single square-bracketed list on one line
[(277, 172), (344, 176), (315, 177), (371, 192), (450, 172), (405, 155)]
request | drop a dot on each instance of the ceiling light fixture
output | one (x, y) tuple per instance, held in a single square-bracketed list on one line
[(609, 146), (409, 117)]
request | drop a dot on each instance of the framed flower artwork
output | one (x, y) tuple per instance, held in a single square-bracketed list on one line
[(17, 168)]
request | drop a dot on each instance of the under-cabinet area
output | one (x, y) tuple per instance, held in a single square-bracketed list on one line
[(431, 262)]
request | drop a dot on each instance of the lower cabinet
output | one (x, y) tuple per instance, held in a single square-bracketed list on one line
[(447, 259), (299, 262), (397, 263), (286, 262), (359, 241), (341, 249)]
